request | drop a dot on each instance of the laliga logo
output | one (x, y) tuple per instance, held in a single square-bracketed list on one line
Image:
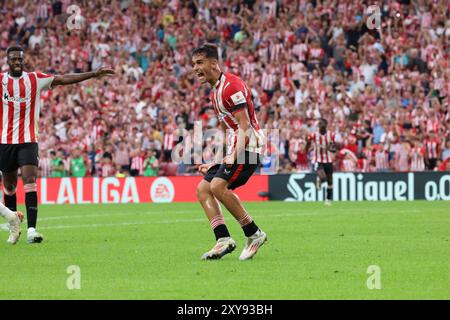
[(162, 190)]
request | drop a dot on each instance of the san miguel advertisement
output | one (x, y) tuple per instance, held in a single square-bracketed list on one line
[(131, 190), (363, 186)]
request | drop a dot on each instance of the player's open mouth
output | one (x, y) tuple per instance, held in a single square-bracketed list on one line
[(200, 75)]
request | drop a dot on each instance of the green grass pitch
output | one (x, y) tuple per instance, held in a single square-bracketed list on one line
[(152, 251)]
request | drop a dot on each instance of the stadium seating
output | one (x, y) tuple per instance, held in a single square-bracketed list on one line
[(386, 87)]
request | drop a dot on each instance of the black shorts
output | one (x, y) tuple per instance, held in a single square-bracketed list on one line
[(14, 156), (236, 174), (327, 167), (431, 163)]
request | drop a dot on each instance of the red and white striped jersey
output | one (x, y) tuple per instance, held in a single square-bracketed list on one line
[(364, 165), (19, 109), (248, 69), (220, 22), (348, 165), (107, 170), (321, 144), (294, 144), (294, 148), (300, 50), (268, 81), (96, 133), (42, 11), (275, 51), (433, 124), (381, 160), (44, 165), (417, 159), (431, 148), (349, 162), (230, 95), (168, 141), (137, 163)]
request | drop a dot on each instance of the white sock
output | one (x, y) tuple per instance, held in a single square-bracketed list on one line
[(6, 213), (30, 230)]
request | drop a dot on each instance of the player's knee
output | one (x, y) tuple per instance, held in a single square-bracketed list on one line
[(9, 189), (217, 188), (29, 180), (202, 192)]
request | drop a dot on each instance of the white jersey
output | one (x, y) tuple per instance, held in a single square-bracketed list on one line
[(20, 105)]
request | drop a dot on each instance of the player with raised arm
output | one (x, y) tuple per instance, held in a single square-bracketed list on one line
[(234, 107), (19, 116), (323, 155)]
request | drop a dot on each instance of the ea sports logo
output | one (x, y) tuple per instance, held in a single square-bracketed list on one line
[(162, 190)]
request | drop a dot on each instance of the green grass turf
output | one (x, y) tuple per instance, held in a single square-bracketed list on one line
[(152, 251)]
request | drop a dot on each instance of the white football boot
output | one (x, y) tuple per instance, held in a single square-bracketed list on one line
[(222, 247), (33, 236), (327, 203), (14, 228), (254, 242)]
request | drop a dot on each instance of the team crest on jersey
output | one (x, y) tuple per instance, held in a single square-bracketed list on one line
[(238, 98)]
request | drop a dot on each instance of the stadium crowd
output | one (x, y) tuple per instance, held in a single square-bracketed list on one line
[(384, 91)]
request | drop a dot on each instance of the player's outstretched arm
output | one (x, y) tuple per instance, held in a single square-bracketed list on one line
[(64, 79)]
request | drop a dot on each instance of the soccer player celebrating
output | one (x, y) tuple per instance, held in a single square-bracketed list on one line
[(19, 116), (324, 149), (234, 107)]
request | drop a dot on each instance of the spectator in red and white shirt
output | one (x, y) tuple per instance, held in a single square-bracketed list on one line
[(401, 157), (381, 159), (166, 82), (44, 166), (137, 163), (432, 151), (416, 155), (349, 162)]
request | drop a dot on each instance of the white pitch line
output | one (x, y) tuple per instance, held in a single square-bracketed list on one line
[(97, 225), (5, 227), (259, 215), (108, 214)]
